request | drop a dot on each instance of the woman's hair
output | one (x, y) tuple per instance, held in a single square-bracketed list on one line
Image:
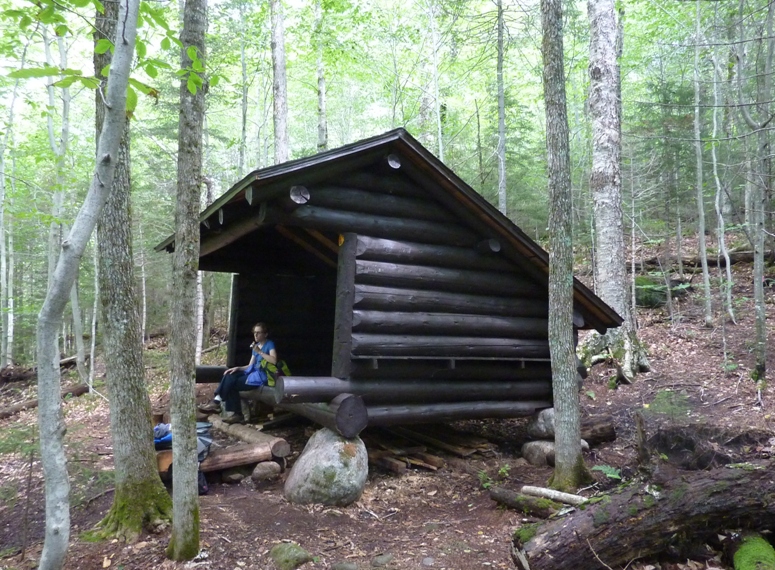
[(261, 325)]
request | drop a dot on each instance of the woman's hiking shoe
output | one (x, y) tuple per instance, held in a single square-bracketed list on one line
[(214, 406), (233, 418)]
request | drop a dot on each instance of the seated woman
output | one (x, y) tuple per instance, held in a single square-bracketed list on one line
[(241, 378)]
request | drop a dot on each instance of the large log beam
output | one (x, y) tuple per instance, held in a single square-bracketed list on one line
[(294, 389), (372, 297), (381, 226), (345, 414), (395, 185), (450, 370), (209, 374), (375, 249), (361, 201), (451, 411), (382, 345), (449, 324), (446, 279), (676, 512)]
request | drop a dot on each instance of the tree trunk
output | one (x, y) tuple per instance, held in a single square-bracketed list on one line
[(699, 182), (569, 471), (606, 182), (50, 418), (322, 117), (280, 87), (184, 542), (140, 497), (502, 202), (688, 509)]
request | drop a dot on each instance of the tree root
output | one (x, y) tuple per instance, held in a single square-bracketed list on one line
[(131, 513)]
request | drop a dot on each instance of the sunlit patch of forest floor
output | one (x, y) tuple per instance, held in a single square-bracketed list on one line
[(699, 389)]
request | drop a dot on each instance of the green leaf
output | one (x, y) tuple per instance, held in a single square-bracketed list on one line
[(191, 84), (140, 86), (103, 45), (214, 80), (81, 3), (61, 30), (25, 22), (151, 71), (89, 82), (34, 72), (67, 81), (47, 15), (196, 79), (191, 53), (165, 44), (140, 48), (590, 394), (131, 99), (196, 65), (105, 71), (99, 6)]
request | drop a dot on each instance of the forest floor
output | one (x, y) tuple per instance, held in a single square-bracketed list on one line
[(421, 519)]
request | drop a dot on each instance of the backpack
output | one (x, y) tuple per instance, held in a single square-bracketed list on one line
[(274, 371)]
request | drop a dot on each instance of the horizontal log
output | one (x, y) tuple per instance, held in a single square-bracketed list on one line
[(277, 445), (73, 391), (235, 455), (209, 374), (449, 324), (230, 233), (381, 226), (449, 412), (535, 506), (372, 297), (362, 201), (375, 249), (395, 185), (450, 370), (367, 344), (445, 279), (346, 414), (293, 389)]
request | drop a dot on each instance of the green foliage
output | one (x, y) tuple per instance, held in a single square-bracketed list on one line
[(608, 471), (669, 403), (484, 479), (20, 439), (755, 553)]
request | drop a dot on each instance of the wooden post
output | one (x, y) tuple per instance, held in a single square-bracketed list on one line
[(343, 319)]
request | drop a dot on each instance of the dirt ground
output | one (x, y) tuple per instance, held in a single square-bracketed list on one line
[(422, 519)]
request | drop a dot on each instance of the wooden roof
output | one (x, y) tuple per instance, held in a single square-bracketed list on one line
[(239, 207)]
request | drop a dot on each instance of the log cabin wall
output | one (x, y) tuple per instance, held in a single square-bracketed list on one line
[(421, 297)]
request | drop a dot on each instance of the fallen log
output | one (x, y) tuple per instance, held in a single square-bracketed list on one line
[(598, 429), (74, 391), (553, 495), (277, 446), (672, 513), (536, 506), (235, 456)]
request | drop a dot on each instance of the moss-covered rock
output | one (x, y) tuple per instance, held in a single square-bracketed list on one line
[(289, 556)]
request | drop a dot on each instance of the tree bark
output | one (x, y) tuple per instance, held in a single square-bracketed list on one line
[(280, 87), (671, 514), (501, 152), (569, 471), (50, 418), (184, 542), (137, 482)]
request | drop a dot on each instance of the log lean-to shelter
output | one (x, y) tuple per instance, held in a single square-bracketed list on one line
[(394, 291)]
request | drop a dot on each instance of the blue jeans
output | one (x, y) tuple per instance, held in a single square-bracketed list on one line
[(229, 388)]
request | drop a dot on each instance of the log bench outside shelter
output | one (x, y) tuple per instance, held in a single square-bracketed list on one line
[(395, 292)]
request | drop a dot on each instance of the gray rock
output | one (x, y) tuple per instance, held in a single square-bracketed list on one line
[(428, 561), (541, 426), (536, 452), (331, 470), (541, 453), (289, 556), (381, 560)]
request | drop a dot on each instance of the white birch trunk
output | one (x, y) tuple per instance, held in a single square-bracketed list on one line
[(244, 68), (436, 92), (699, 190), (95, 313), (200, 312), (502, 199), (321, 73), (50, 420), (605, 179), (280, 87)]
